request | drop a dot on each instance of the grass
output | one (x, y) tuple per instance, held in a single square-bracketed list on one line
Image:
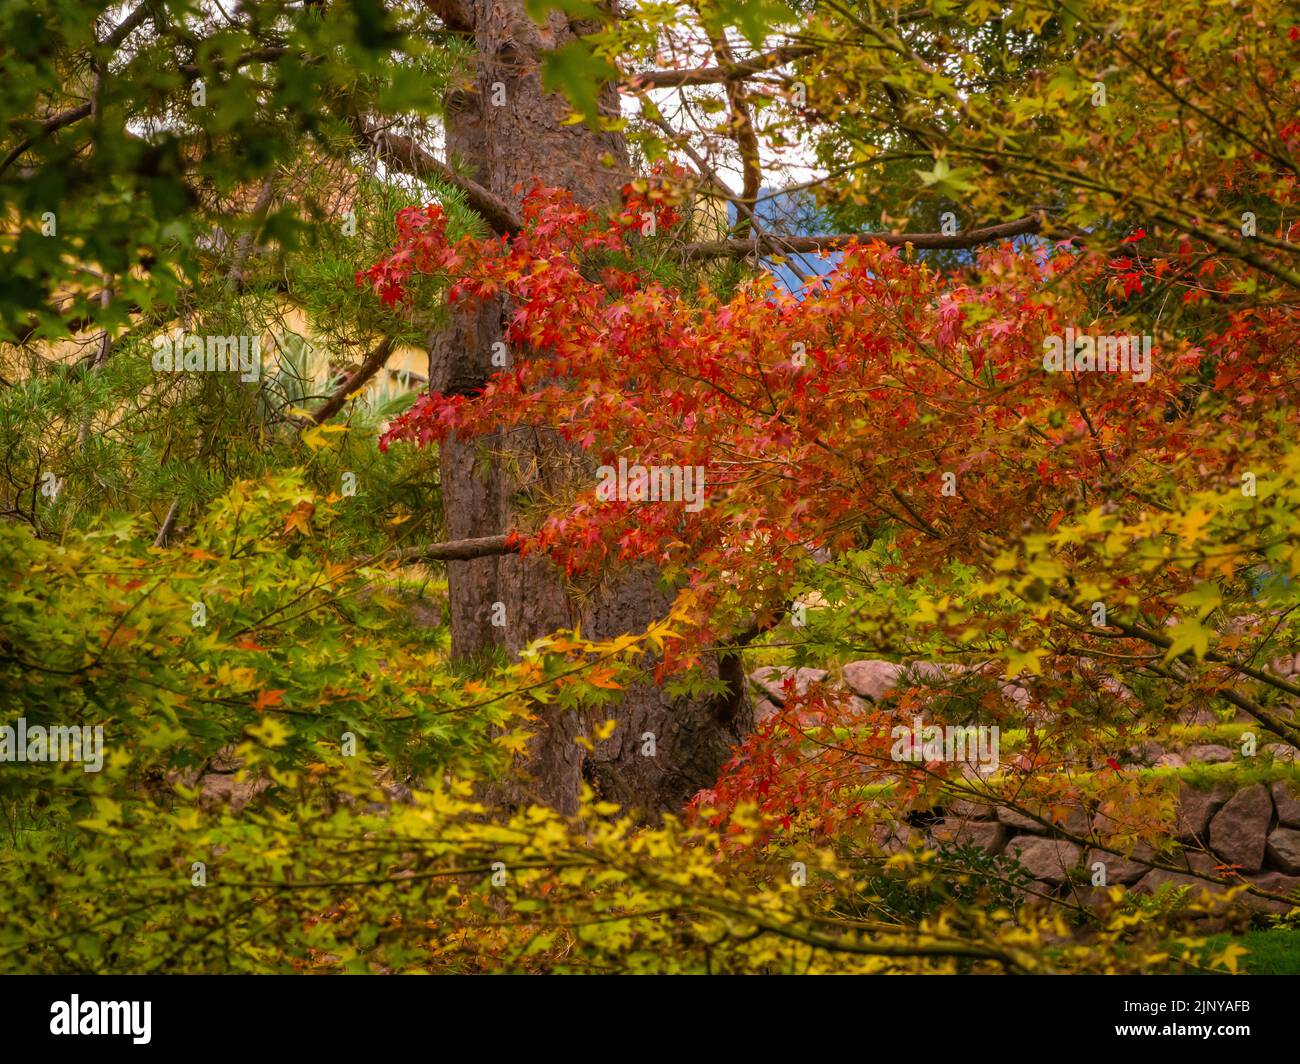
[(1275, 952)]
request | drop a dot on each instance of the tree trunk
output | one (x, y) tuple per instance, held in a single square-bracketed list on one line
[(511, 134)]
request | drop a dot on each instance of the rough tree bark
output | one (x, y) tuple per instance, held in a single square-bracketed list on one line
[(509, 134)]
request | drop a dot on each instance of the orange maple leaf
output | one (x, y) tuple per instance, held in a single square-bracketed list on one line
[(300, 518), (266, 699), (604, 678)]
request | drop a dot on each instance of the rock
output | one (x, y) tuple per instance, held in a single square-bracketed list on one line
[(1158, 877), (872, 679), (1121, 869), (765, 708), (1146, 752), (973, 809), (1116, 690), (1077, 821), (396, 791), (987, 835), (770, 680), (875, 680), (1205, 863), (424, 615), (1169, 761), (1013, 692), (1274, 883), (1096, 900), (1239, 831), (805, 678), (895, 838), (225, 760), (1285, 666), (767, 680), (1047, 859), (1286, 797), (1195, 808), (1020, 822), (221, 789), (1283, 849), (1210, 754), (931, 671), (1281, 752)]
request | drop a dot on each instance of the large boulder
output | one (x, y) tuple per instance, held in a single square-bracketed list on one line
[(973, 809), (1286, 798), (1239, 831), (765, 708), (1274, 883), (1147, 752), (1195, 808), (1121, 869), (1287, 665), (1196, 862), (1211, 754), (1076, 822), (1049, 860), (1283, 849), (770, 680), (987, 835), (872, 679)]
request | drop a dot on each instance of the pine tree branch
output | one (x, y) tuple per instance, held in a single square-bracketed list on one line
[(406, 155), (376, 361)]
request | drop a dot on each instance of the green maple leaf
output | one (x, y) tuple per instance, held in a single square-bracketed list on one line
[(947, 180), (1188, 635)]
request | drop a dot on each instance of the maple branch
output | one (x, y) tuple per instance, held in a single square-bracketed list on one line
[(738, 248), (1280, 726)]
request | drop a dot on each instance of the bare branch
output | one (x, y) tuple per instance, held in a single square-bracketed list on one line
[(453, 550), (372, 365), (717, 75)]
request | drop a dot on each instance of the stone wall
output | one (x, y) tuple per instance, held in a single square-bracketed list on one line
[(1239, 832)]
